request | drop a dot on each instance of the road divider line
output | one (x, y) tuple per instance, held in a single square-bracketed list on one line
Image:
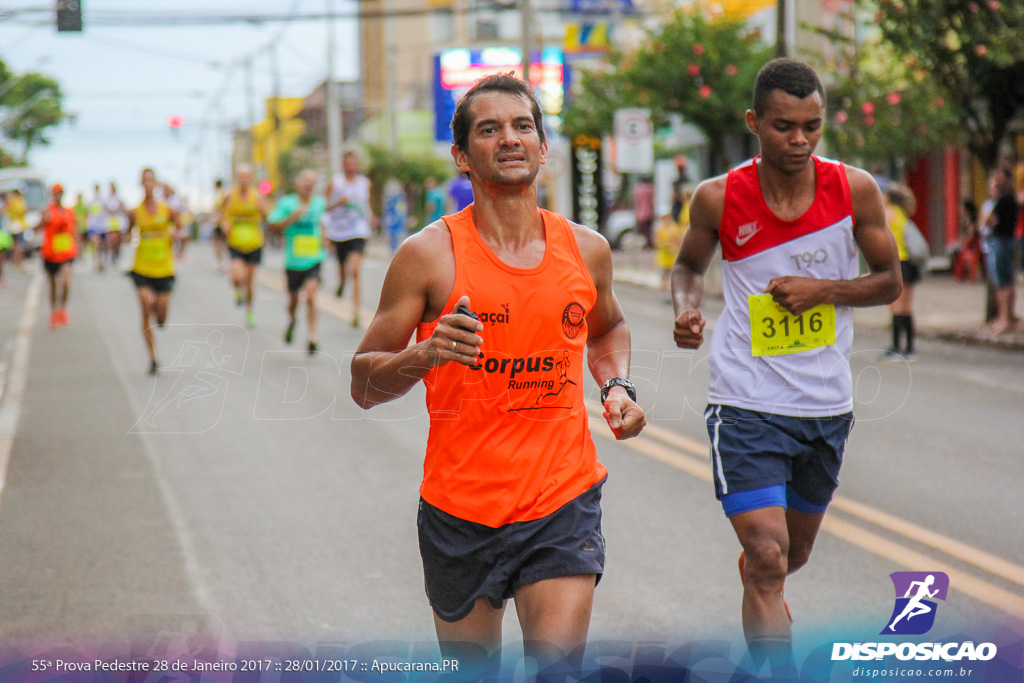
[(13, 392), (973, 586), (961, 551), (980, 590)]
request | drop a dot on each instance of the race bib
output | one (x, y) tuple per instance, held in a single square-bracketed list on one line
[(775, 332), (155, 249), (306, 246), (62, 243), (245, 235)]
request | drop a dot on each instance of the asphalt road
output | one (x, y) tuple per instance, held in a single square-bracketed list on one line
[(242, 496)]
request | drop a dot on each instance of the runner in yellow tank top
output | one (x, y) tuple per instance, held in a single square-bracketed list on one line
[(472, 566), (159, 228), (242, 214)]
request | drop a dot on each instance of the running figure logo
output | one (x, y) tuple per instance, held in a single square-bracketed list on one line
[(190, 393), (914, 612)]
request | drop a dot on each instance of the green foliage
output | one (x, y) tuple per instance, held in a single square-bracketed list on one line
[(411, 171), (30, 104), (702, 67), (883, 109), (973, 51)]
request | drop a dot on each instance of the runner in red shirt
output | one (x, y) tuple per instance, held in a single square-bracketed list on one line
[(59, 249)]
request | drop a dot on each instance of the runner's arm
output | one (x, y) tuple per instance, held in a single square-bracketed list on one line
[(608, 341), (179, 234), (881, 285), (699, 246), (277, 221), (386, 366)]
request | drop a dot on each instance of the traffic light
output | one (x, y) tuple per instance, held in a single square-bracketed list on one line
[(69, 16)]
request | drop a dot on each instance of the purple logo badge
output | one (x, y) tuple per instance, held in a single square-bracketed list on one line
[(916, 592)]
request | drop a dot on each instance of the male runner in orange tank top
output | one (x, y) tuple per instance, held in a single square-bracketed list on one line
[(510, 501)]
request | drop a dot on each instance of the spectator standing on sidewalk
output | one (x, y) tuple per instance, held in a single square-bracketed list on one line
[(643, 207), (1002, 221), (899, 205)]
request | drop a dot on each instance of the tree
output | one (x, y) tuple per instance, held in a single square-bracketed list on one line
[(882, 110), (411, 171), (700, 66), (975, 52), (30, 104)]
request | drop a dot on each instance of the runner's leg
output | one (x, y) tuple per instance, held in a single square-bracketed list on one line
[(555, 617)]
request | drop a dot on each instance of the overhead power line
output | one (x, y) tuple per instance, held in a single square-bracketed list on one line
[(167, 18)]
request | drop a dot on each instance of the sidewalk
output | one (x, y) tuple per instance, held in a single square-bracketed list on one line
[(944, 309)]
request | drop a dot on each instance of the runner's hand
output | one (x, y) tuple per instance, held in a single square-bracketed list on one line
[(689, 330), (455, 338), (795, 294), (624, 417)]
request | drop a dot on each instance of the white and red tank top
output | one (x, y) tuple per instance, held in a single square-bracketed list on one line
[(811, 378)]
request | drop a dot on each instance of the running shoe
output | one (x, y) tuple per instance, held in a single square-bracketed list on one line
[(890, 356), (153, 368), (311, 347), (239, 298), (54, 320), (340, 292), (289, 333), (355, 320), (250, 319), (62, 317), (785, 604)]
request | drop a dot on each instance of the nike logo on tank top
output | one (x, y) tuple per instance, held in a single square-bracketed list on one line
[(763, 358), (509, 437)]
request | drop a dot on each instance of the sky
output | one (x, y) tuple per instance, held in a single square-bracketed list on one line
[(122, 83)]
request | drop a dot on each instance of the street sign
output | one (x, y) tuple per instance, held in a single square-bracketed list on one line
[(634, 141)]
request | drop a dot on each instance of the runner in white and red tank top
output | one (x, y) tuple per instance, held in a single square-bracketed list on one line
[(780, 400)]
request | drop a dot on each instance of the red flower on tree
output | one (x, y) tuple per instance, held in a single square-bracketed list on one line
[(868, 108), (698, 49), (693, 70), (731, 69), (893, 98), (704, 91)]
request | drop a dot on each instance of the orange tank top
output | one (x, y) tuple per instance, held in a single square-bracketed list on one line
[(58, 243), (509, 438)]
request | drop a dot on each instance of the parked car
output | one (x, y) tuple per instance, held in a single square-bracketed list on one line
[(621, 233)]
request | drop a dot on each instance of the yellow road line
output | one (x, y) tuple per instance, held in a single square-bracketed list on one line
[(962, 551), (980, 590), (968, 584)]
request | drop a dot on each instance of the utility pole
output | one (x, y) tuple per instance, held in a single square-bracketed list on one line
[(250, 108), (780, 28), (275, 113), (526, 19), (389, 41), (332, 103)]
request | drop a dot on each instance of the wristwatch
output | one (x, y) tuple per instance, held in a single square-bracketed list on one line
[(618, 382)]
